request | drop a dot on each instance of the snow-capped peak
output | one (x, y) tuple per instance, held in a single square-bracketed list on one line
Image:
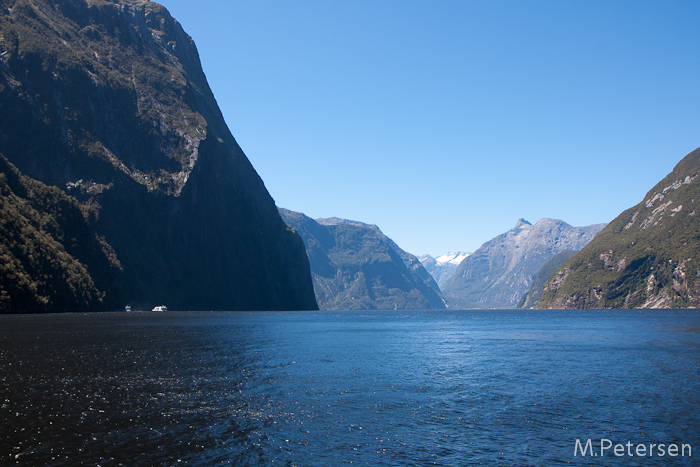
[(451, 258)]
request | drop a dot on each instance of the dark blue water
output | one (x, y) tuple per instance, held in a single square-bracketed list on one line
[(347, 388)]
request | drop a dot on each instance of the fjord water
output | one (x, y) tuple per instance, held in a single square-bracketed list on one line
[(374, 388)]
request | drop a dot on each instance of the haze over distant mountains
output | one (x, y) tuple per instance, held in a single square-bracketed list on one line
[(355, 266), (648, 257), (501, 271), (443, 267), (120, 183)]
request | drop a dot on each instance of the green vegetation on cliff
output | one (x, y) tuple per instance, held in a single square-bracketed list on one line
[(648, 257), (356, 267), (532, 297), (50, 257), (106, 101)]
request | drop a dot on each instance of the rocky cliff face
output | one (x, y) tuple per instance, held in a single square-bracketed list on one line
[(648, 257), (355, 266), (501, 271), (107, 100), (533, 295)]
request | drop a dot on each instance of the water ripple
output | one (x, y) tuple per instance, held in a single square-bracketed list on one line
[(336, 388)]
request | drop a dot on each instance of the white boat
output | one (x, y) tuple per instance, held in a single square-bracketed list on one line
[(160, 308), (127, 308)]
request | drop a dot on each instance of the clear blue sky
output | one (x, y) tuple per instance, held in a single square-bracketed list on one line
[(443, 122)]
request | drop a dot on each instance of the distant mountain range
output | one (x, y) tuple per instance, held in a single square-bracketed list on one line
[(443, 267), (502, 270), (648, 257), (120, 182), (355, 266)]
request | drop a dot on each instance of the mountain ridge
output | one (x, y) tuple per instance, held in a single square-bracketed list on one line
[(355, 266), (107, 100), (501, 271), (647, 257)]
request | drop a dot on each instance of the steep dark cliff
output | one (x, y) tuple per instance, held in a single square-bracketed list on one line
[(107, 100), (648, 257), (50, 257), (355, 266)]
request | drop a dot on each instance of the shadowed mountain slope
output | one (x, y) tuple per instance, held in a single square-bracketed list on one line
[(50, 257), (107, 101)]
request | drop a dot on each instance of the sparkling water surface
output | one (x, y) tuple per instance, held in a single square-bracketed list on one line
[(371, 388)]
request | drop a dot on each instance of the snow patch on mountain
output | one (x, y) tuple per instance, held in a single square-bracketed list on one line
[(444, 266), (451, 258)]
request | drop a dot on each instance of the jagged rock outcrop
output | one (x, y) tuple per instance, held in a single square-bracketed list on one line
[(443, 267), (107, 100), (355, 266), (502, 270), (648, 257)]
